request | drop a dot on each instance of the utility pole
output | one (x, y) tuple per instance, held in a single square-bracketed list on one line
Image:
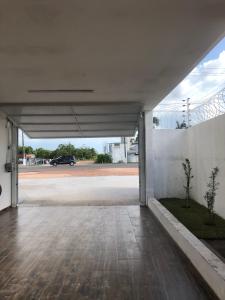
[(24, 154), (187, 117), (124, 143)]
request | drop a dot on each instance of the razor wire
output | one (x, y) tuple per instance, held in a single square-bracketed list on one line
[(171, 113), (214, 107)]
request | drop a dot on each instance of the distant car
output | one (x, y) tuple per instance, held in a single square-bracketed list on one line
[(20, 161), (63, 160)]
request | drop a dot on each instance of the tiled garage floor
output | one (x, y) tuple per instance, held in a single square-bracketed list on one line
[(114, 252)]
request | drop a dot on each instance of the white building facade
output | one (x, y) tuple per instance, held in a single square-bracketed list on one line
[(124, 152)]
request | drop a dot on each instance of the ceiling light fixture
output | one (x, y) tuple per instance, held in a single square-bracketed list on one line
[(62, 91)]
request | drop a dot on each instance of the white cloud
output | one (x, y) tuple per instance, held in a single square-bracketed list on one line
[(205, 80)]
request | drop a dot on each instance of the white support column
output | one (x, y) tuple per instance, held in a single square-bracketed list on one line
[(14, 174), (145, 158), (149, 156), (141, 151)]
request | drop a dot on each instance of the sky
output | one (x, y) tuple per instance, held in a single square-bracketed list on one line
[(51, 144), (207, 78)]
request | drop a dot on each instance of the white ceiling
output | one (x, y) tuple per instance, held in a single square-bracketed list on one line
[(69, 120), (123, 50)]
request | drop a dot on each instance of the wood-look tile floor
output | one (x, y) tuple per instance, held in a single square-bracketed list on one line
[(92, 253)]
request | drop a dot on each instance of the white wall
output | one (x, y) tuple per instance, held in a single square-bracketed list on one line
[(204, 145), (118, 153), (169, 150), (5, 178)]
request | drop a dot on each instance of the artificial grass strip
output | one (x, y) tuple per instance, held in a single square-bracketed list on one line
[(195, 218)]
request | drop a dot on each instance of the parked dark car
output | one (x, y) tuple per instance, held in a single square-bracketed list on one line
[(63, 160)]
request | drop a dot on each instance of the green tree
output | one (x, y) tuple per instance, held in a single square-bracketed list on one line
[(210, 195), (82, 153), (42, 153), (103, 159), (155, 122), (188, 174), (181, 125), (64, 149), (27, 149), (85, 153)]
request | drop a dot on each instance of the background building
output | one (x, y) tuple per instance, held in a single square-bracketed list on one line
[(124, 152)]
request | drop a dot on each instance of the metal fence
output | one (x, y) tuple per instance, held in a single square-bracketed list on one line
[(171, 115)]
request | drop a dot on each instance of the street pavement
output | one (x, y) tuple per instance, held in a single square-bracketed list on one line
[(75, 186)]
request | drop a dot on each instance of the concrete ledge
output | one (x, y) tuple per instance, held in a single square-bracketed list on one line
[(210, 267)]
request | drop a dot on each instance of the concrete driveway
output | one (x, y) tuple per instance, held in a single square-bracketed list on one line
[(58, 186)]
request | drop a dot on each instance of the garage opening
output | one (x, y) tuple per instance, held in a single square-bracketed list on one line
[(99, 172), (54, 168)]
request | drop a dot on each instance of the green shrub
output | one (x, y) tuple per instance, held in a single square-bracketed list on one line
[(195, 219), (210, 195), (103, 159), (188, 176)]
